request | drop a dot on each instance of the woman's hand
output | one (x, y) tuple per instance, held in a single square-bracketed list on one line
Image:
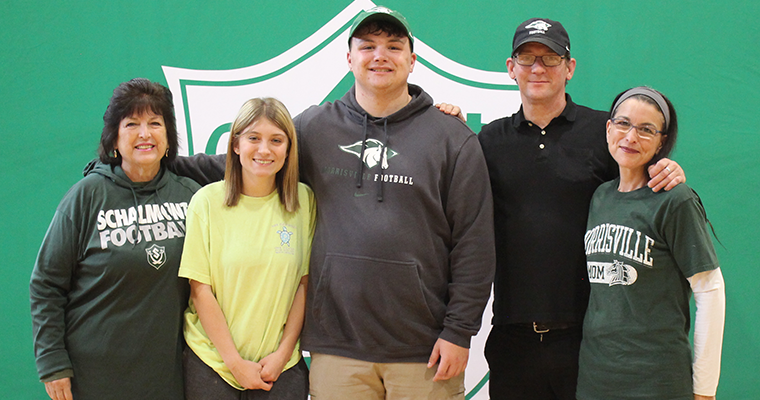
[(248, 375), (272, 366), (700, 397), (59, 389), (274, 363)]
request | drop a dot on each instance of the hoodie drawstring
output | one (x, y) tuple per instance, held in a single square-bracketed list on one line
[(383, 157), (137, 228), (383, 160), (359, 176)]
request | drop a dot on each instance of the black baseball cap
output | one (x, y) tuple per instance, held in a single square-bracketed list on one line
[(544, 31)]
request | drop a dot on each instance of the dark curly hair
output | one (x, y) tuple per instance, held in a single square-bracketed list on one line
[(135, 97)]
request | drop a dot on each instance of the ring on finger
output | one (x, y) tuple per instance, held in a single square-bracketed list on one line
[(668, 168)]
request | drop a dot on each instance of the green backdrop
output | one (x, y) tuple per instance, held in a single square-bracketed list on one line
[(59, 62)]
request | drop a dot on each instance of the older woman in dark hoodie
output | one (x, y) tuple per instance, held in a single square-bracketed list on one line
[(106, 300)]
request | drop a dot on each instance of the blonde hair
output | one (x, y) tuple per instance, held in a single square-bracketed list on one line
[(286, 179)]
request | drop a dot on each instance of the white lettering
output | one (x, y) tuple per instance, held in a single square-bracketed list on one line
[(133, 235), (122, 218), (101, 220), (626, 251), (109, 219), (175, 212), (618, 236), (118, 237), (140, 217), (172, 231), (618, 239), (132, 215), (648, 251), (135, 224), (152, 213), (104, 238), (145, 229), (164, 213), (636, 255), (159, 231)]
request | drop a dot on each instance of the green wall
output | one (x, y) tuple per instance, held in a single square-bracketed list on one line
[(59, 62)]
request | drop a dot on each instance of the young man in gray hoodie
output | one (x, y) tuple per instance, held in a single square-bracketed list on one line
[(403, 254)]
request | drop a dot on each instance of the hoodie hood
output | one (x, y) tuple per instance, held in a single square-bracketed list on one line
[(419, 103), (117, 175)]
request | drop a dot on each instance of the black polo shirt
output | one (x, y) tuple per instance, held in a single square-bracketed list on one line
[(542, 181)]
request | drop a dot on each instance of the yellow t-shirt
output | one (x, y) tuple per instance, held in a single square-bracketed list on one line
[(253, 256)]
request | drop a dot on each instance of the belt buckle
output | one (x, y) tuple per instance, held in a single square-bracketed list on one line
[(540, 331)]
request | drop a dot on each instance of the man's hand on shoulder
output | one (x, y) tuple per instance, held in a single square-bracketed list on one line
[(451, 109), (667, 174)]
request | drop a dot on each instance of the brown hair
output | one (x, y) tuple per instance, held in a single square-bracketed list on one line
[(286, 179)]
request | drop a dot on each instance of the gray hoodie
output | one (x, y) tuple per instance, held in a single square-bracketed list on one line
[(403, 252)]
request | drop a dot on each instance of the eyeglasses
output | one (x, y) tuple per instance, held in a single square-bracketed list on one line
[(529, 59), (646, 131)]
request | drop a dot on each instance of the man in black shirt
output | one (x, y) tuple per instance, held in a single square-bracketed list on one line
[(545, 162)]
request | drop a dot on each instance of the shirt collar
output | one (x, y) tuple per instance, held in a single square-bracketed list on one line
[(569, 113)]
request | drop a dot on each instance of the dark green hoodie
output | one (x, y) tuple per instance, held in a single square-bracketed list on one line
[(105, 297)]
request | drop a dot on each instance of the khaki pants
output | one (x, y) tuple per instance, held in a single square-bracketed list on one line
[(340, 378)]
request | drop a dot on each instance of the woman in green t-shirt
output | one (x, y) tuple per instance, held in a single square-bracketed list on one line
[(647, 252)]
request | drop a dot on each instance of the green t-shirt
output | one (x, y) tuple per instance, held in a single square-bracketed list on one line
[(253, 256), (640, 248)]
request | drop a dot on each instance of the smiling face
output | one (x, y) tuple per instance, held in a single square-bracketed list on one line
[(539, 83), (263, 149), (381, 63), (631, 150), (142, 143)]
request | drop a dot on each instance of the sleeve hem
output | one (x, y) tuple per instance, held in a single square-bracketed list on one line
[(66, 373)]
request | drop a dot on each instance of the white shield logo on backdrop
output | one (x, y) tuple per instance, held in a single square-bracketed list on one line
[(206, 102)]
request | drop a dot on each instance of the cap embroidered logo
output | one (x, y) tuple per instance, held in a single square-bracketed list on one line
[(539, 26)]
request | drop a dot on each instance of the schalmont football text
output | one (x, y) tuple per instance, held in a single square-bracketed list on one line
[(155, 222)]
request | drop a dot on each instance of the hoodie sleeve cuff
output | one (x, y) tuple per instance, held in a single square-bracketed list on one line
[(52, 363), (66, 373), (457, 338)]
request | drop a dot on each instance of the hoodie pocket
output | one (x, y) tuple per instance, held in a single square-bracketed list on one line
[(373, 302)]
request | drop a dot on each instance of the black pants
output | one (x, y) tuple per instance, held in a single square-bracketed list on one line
[(532, 366), (203, 383)]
